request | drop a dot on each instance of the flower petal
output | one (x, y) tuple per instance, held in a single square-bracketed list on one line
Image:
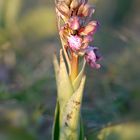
[(92, 58), (90, 29), (74, 42), (74, 23)]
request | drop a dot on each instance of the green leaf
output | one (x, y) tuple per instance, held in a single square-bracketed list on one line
[(64, 85), (65, 89), (56, 67), (69, 102), (66, 56), (81, 137), (77, 81), (63, 82), (55, 132), (70, 129)]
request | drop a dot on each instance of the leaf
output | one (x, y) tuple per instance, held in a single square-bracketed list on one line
[(63, 82), (71, 120), (66, 56), (81, 137), (65, 89), (56, 67), (77, 81), (55, 130), (68, 100)]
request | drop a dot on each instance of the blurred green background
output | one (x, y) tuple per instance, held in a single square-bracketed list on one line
[(29, 38)]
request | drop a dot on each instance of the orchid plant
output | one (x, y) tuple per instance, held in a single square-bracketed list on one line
[(76, 31)]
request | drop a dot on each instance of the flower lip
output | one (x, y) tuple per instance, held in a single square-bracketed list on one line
[(92, 57), (98, 55), (95, 50), (74, 42)]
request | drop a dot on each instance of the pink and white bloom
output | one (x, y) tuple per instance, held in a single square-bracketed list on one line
[(77, 31), (74, 42)]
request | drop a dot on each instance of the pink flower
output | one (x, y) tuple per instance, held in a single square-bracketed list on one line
[(74, 42), (92, 57)]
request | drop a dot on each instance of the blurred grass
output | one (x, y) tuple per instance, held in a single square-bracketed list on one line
[(46, 18), (28, 38), (15, 134)]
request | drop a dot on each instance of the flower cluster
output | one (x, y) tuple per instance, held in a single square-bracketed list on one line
[(77, 31)]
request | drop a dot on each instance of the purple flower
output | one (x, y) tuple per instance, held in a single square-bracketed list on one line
[(74, 42), (92, 57)]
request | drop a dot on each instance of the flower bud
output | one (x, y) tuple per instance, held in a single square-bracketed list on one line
[(87, 10), (80, 10), (74, 4), (68, 2), (74, 23), (63, 8)]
